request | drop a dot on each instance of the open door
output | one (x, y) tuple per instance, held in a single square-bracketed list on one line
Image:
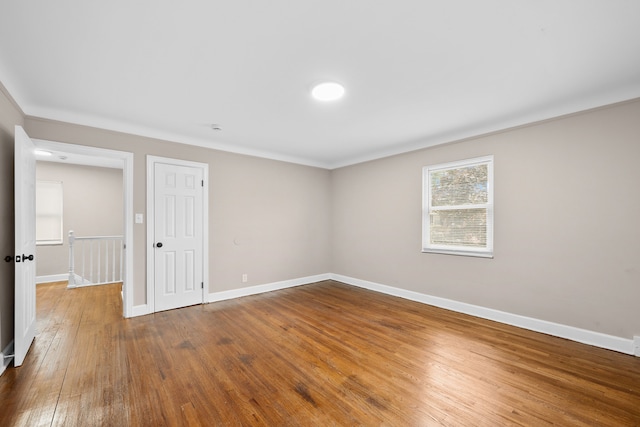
[(25, 238)]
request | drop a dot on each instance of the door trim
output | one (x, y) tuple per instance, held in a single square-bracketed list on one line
[(85, 152), (151, 161)]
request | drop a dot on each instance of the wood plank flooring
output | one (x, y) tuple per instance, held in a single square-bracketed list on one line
[(317, 355)]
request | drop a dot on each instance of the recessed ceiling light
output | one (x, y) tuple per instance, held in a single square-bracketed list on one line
[(329, 91), (42, 153)]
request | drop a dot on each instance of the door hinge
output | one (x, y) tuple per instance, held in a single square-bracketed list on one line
[(203, 182), (201, 285)]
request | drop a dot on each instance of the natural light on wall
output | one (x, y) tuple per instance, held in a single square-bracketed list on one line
[(49, 213)]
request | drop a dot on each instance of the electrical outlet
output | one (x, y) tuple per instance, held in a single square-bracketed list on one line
[(244, 278)]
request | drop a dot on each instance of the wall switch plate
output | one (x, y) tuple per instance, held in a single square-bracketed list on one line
[(244, 278), (139, 218)]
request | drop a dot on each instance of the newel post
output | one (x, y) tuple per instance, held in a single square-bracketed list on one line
[(72, 276)]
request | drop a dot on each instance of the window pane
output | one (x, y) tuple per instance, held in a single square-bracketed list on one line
[(461, 186), (48, 212), (459, 227), (48, 228)]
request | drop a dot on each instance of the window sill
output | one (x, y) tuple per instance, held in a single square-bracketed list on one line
[(50, 243), (458, 253)]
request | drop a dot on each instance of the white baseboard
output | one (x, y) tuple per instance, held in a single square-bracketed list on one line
[(52, 278), (64, 277), (78, 280), (5, 362), (140, 310), (84, 283), (268, 287), (584, 336)]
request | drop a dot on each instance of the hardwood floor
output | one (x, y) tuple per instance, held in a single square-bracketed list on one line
[(316, 355)]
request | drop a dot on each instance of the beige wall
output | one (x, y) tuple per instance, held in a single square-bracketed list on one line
[(567, 223), (267, 219), (567, 235), (93, 206), (10, 115)]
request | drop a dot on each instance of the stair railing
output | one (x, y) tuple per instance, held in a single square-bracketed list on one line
[(100, 260)]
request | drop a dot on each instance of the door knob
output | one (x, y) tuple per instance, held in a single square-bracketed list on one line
[(159, 245)]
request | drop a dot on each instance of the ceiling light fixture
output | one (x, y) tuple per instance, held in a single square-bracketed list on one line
[(329, 91)]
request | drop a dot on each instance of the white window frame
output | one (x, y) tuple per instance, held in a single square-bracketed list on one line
[(427, 246), (52, 190)]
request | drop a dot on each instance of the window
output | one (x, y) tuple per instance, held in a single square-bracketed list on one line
[(457, 213), (48, 213)]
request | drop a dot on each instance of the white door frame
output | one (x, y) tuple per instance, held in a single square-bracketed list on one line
[(151, 161), (109, 157)]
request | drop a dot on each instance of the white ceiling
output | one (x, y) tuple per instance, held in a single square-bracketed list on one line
[(417, 73)]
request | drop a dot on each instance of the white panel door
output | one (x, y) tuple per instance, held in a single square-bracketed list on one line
[(25, 245), (178, 236)]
